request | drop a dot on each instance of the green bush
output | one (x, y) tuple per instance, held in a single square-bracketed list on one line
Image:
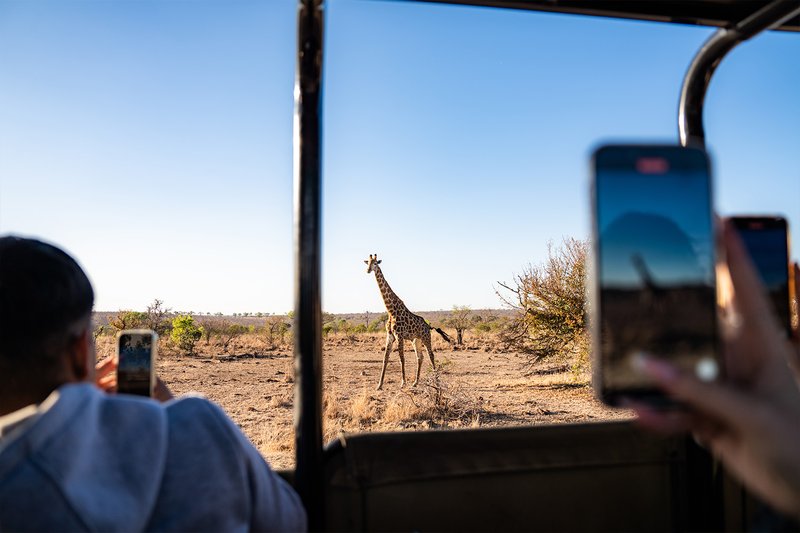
[(484, 327), (185, 333), (375, 326)]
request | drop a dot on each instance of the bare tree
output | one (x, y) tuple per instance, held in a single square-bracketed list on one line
[(460, 319), (158, 317), (228, 331), (275, 329), (224, 330)]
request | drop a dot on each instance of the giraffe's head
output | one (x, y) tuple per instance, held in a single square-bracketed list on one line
[(373, 263)]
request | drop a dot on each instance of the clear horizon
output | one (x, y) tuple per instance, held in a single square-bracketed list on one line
[(153, 141)]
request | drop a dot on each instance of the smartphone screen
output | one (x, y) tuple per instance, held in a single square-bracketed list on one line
[(654, 261), (766, 238), (136, 354)]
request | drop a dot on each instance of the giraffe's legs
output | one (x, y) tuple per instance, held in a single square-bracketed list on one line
[(386, 352), (400, 342), (418, 351), (429, 349)]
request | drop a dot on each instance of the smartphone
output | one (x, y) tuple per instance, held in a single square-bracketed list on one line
[(136, 356), (653, 281), (767, 240)]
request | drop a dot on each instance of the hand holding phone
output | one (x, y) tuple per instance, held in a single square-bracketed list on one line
[(105, 375), (749, 420), (653, 292)]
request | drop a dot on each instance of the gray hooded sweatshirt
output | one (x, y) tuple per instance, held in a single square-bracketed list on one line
[(98, 462)]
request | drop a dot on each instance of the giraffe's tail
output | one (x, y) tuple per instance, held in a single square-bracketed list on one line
[(444, 335)]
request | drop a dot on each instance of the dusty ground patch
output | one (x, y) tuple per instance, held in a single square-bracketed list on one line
[(472, 388)]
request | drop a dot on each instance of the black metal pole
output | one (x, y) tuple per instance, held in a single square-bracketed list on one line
[(308, 312), (698, 77), (706, 507)]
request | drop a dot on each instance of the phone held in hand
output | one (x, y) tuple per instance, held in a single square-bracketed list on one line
[(767, 241), (136, 361), (653, 282)]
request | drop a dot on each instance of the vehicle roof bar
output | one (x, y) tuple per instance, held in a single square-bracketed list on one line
[(307, 284), (720, 13), (698, 77)]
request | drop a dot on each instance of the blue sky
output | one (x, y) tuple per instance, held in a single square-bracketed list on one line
[(152, 139), (661, 219)]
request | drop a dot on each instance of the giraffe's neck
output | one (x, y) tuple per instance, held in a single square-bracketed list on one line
[(390, 299)]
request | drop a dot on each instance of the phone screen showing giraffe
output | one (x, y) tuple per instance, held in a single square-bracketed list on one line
[(135, 367), (655, 266)]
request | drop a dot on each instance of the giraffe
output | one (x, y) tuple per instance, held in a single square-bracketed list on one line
[(402, 325)]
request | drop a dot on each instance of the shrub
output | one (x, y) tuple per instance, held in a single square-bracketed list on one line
[(128, 320), (550, 300), (223, 329), (185, 333), (156, 317), (275, 330), (375, 326), (100, 330)]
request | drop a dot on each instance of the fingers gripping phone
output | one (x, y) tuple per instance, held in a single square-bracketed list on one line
[(767, 240), (136, 361), (653, 287)]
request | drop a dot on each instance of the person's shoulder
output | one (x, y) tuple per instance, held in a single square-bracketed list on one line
[(194, 407), (192, 415)]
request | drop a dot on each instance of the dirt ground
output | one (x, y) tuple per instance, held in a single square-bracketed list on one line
[(473, 387)]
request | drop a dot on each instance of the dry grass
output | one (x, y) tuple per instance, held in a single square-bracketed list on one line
[(363, 408), (440, 400), (401, 409), (278, 401), (276, 439)]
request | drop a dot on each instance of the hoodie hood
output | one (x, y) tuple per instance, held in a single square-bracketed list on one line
[(75, 446)]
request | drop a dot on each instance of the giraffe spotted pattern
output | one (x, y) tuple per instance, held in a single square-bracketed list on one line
[(402, 325)]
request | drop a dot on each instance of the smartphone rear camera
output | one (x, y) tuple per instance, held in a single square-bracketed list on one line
[(652, 165)]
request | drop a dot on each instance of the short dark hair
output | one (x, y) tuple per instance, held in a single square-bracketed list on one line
[(43, 293)]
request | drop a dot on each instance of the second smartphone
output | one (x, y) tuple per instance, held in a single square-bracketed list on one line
[(653, 288), (767, 240)]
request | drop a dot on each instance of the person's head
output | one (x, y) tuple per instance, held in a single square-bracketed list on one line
[(45, 319)]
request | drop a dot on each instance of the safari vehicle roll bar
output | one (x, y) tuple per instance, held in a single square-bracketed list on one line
[(698, 77), (307, 229), (739, 20)]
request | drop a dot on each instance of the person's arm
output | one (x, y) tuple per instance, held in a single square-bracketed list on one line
[(276, 505), (751, 421)]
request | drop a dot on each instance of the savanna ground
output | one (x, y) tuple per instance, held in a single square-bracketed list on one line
[(477, 385)]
